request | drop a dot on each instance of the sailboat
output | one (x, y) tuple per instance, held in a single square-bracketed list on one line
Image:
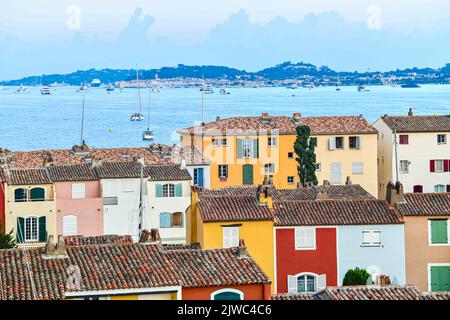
[(22, 90), (338, 84), (138, 116), (147, 135), (110, 88)]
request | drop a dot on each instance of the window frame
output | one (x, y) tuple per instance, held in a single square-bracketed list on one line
[(403, 139), (372, 243), (444, 187), (400, 165), (293, 180), (269, 168), (357, 140), (436, 166), (25, 192), (36, 219), (221, 168), (247, 148), (358, 164), (342, 143), (305, 275), (168, 190), (318, 167), (430, 237), (441, 135), (313, 246), (233, 239), (226, 290), (110, 202), (271, 140)]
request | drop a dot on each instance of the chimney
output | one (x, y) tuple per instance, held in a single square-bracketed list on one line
[(183, 164), (243, 253), (96, 163), (383, 280), (394, 193), (50, 247), (321, 195), (58, 250), (263, 196), (348, 182), (151, 237), (48, 160), (326, 182), (297, 116), (410, 112), (217, 118), (265, 115)]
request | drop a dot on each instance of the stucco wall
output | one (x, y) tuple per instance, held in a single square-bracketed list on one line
[(251, 292), (289, 261), (389, 259), (419, 253)]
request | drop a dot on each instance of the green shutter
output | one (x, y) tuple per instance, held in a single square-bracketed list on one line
[(239, 148), (439, 231), (37, 194), (20, 232), (247, 174), (159, 190), (42, 230), (179, 190), (256, 148), (440, 278)]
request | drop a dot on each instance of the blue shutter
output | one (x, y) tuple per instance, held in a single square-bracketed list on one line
[(159, 190), (200, 177), (179, 190), (20, 232), (239, 148), (165, 220)]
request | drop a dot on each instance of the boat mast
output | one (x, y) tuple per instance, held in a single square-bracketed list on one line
[(138, 92), (141, 197), (149, 102), (82, 119)]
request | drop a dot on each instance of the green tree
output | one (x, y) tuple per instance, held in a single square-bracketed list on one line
[(357, 276), (6, 240), (304, 148)]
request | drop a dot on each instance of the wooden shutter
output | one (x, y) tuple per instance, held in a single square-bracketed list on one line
[(321, 282), (37, 194), (439, 231), (448, 188), (179, 190), (42, 229), (20, 232), (239, 143), (432, 166), (446, 165), (255, 148), (159, 191), (440, 278), (292, 284)]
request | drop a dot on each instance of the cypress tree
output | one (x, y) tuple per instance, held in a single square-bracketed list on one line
[(304, 148)]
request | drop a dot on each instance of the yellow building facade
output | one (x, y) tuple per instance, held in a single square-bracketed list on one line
[(346, 148)]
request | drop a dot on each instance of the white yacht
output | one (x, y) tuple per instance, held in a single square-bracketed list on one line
[(207, 89), (110, 88), (96, 83), (45, 91), (22, 90), (137, 116), (83, 88)]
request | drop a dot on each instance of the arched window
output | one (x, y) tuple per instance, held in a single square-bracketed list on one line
[(439, 188), (169, 190), (37, 194), (227, 294), (20, 195), (70, 225), (306, 282)]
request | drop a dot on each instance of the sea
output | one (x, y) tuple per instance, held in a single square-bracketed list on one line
[(33, 122)]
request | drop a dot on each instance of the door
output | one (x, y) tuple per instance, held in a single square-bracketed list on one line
[(440, 278), (336, 173), (247, 174)]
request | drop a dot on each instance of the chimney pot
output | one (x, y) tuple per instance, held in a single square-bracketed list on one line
[(297, 115), (348, 182), (265, 115), (394, 193), (217, 118), (410, 112), (326, 182)]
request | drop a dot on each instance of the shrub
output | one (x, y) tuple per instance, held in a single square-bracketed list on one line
[(357, 276)]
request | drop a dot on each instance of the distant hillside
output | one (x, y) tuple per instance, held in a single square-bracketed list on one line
[(284, 71)]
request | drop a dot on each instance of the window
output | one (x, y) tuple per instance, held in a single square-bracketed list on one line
[(441, 138), (70, 225), (269, 168), (168, 190), (306, 282), (371, 238), (272, 141), (318, 167), (438, 165), (199, 177), (223, 171), (439, 231), (290, 155), (404, 139), (230, 237), (37, 194), (290, 180), (110, 201), (404, 166), (439, 277), (219, 142), (31, 229), (339, 143), (227, 294), (171, 220), (354, 142), (357, 168), (439, 188), (78, 190), (21, 195), (247, 148), (418, 189), (305, 238)]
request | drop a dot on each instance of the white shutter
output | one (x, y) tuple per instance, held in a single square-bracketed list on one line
[(376, 237), (78, 190), (332, 143), (235, 237), (336, 172), (321, 282), (367, 237), (358, 143), (70, 225), (230, 237), (292, 284), (298, 238)]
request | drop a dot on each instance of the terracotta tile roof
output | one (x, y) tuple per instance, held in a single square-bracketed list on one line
[(334, 192), (293, 296), (78, 172), (166, 173), (334, 212), (189, 154), (106, 239), (373, 293), (435, 123), (119, 170), (215, 267), (285, 125), (2, 175), (425, 204), (233, 208), (121, 266), (28, 176)]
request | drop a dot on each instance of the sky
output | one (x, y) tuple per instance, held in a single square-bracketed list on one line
[(180, 31)]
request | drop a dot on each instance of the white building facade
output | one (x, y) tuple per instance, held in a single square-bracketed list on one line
[(417, 150)]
